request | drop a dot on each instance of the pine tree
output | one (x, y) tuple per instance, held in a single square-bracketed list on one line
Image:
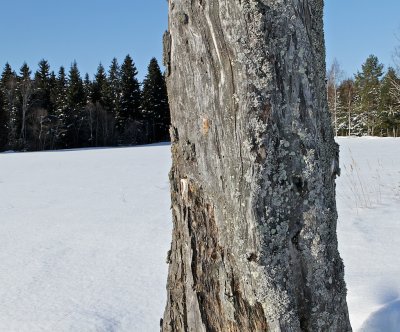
[(129, 112), (155, 108), (368, 88)]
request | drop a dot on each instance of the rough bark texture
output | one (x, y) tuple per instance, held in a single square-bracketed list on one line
[(254, 164)]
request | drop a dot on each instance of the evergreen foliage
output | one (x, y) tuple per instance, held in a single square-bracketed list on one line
[(42, 86), (390, 104), (8, 84), (3, 124), (367, 104), (129, 113), (113, 93), (76, 101), (100, 87), (368, 86), (52, 111), (347, 97), (25, 90), (60, 109), (155, 103)]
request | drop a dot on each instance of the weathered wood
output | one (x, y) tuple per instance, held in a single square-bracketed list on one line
[(254, 164)]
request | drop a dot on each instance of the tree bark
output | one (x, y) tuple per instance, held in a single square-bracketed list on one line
[(254, 164)]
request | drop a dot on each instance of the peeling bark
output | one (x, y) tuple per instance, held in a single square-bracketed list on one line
[(254, 164)]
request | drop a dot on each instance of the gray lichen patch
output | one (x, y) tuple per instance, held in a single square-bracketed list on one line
[(254, 161)]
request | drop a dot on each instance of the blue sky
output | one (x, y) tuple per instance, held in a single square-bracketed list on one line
[(355, 29), (93, 31)]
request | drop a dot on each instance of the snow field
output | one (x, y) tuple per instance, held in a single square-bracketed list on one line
[(368, 201), (84, 236), (83, 239)]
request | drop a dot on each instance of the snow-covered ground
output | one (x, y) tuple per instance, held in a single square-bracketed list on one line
[(84, 236), (368, 194)]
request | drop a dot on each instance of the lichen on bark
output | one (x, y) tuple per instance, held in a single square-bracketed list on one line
[(253, 188)]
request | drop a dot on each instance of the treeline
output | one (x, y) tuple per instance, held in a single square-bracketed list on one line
[(368, 104), (55, 111)]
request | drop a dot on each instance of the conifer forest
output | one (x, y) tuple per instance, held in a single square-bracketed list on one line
[(44, 110), (368, 104)]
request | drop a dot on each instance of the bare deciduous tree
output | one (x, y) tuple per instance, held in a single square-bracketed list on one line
[(334, 77)]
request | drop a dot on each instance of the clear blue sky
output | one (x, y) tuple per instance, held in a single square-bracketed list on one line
[(355, 29), (93, 31)]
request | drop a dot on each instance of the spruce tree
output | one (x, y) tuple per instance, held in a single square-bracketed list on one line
[(60, 108), (113, 94), (42, 107), (87, 86), (100, 86), (42, 86), (102, 107), (8, 84), (129, 112), (25, 90), (155, 107), (75, 90), (389, 106), (52, 119), (3, 123), (368, 88), (76, 101)]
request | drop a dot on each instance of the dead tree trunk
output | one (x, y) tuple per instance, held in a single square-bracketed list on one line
[(254, 164)]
